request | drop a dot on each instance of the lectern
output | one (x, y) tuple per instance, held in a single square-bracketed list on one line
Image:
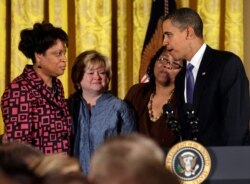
[(229, 165), (209, 165)]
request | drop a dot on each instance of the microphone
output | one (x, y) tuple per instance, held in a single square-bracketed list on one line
[(171, 121), (192, 120)]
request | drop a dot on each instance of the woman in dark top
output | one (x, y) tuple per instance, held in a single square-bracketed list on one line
[(148, 98)]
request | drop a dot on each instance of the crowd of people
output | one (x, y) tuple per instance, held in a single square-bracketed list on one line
[(95, 137), (131, 158)]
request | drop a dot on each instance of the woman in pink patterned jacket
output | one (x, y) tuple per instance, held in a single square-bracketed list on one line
[(33, 106)]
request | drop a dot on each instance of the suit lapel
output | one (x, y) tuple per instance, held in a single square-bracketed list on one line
[(202, 75)]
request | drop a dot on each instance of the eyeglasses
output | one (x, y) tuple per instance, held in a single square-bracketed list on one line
[(164, 60)]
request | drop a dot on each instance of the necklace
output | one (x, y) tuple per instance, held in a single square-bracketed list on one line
[(150, 106)]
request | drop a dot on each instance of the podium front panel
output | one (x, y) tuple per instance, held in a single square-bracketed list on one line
[(230, 165)]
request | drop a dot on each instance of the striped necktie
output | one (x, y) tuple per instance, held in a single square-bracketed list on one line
[(189, 83)]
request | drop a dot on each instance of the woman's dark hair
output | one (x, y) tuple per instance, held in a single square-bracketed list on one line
[(16, 169), (40, 38), (150, 69)]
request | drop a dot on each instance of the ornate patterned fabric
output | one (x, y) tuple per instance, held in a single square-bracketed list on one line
[(36, 114)]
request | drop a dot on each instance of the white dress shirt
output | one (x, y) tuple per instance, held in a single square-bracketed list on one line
[(195, 61)]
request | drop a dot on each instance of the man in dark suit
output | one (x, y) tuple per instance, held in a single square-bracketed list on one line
[(220, 93)]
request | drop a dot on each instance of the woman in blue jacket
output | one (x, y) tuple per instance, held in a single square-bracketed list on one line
[(96, 113)]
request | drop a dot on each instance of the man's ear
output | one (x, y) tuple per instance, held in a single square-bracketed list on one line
[(190, 33)]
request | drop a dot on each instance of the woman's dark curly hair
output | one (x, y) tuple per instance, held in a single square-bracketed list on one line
[(150, 69), (40, 38)]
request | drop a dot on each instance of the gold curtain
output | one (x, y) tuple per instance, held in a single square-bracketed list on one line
[(57, 14), (3, 49), (114, 27), (131, 29), (23, 15), (93, 26)]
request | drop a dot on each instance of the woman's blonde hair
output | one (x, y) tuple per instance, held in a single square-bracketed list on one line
[(85, 60), (57, 163)]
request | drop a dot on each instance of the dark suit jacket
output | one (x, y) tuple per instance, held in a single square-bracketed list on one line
[(221, 100)]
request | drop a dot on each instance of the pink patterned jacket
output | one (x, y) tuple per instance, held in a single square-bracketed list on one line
[(36, 114)]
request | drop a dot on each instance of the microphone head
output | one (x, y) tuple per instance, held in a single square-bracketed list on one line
[(189, 109), (192, 118), (171, 121), (167, 108)]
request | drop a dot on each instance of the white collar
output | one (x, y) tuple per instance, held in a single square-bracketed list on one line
[(196, 59)]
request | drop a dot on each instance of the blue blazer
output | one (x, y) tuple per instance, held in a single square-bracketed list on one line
[(221, 100)]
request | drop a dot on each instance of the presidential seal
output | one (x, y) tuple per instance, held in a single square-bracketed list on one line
[(189, 161)]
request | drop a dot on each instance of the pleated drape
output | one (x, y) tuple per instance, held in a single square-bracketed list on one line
[(58, 15), (24, 13), (93, 25), (114, 27), (3, 49), (234, 28), (132, 26)]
